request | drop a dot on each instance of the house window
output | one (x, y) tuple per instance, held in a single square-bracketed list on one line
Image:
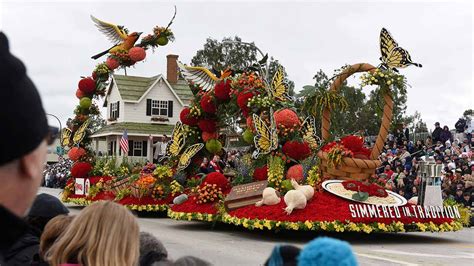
[(114, 110), (159, 107), (138, 148)]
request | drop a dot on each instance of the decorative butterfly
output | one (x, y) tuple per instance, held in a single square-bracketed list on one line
[(178, 138), (308, 129), (266, 139), (202, 76), (279, 89), (393, 56), (78, 136), (188, 154)]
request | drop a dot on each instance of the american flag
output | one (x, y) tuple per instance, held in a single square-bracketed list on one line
[(124, 142)]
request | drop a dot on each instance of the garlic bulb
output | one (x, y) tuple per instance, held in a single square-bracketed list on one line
[(269, 197), (294, 199), (307, 190)]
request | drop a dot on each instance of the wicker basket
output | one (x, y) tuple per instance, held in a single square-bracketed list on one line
[(140, 193), (116, 187), (354, 168)]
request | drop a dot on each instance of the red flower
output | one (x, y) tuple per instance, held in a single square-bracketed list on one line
[(328, 146), (75, 153), (137, 54), (363, 153), (295, 172), (216, 178), (243, 99), (207, 125), (260, 173), (80, 94), (208, 104), (353, 143), (250, 124), (208, 136), (80, 169), (186, 117), (286, 118), (87, 85), (222, 90), (296, 150), (112, 63)]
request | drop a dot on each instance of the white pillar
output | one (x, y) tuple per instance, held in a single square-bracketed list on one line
[(96, 146), (149, 150), (117, 147)]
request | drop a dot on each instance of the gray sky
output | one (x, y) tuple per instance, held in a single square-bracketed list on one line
[(57, 39)]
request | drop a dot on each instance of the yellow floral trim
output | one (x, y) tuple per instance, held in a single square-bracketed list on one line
[(338, 226), (77, 201), (148, 207), (197, 216)]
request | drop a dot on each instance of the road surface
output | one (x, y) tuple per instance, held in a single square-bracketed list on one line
[(230, 245)]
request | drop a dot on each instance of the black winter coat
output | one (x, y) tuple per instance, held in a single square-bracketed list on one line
[(22, 252)]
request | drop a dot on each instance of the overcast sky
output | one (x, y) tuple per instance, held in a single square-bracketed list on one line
[(57, 39)]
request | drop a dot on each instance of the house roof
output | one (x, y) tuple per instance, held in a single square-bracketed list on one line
[(134, 129), (132, 88)]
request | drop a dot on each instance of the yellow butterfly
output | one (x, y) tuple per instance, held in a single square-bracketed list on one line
[(279, 88), (308, 129), (266, 139), (178, 138), (202, 76), (393, 56), (185, 158), (78, 136)]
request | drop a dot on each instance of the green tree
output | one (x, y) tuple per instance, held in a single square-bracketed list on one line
[(231, 53)]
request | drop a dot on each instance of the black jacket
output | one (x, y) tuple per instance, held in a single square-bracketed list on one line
[(12, 228), (436, 135), (23, 250)]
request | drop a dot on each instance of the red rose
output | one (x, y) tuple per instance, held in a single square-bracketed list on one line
[(186, 117), (87, 85), (80, 169), (208, 104), (242, 100), (353, 143), (296, 150), (207, 125), (222, 90), (260, 173), (216, 178)]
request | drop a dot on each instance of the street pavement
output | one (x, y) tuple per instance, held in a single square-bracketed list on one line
[(223, 244)]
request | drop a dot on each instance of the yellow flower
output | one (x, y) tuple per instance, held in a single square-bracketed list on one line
[(308, 224)]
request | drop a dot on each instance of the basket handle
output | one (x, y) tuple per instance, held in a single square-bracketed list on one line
[(387, 110)]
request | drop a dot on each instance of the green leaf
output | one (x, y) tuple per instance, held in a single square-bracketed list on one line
[(360, 196)]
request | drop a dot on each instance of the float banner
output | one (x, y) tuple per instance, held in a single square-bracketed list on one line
[(415, 211)]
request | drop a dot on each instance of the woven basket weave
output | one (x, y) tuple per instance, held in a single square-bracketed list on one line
[(354, 168)]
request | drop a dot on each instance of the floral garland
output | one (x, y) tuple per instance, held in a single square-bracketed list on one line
[(148, 207), (276, 169), (338, 226), (197, 216)]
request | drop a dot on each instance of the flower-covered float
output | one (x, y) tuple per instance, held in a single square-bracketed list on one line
[(288, 178), (309, 183), (139, 187)]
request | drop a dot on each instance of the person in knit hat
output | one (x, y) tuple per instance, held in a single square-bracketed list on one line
[(24, 138), (327, 251)]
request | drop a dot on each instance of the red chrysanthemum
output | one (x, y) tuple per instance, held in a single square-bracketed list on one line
[(286, 118), (208, 104), (296, 150), (207, 125), (222, 90), (295, 172), (260, 173), (208, 136), (216, 178), (353, 143), (76, 153), (186, 117), (363, 153), (87, 85), (80, 169), (137, 54)]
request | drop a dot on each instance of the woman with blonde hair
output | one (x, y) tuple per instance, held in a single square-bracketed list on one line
[(104, 233)]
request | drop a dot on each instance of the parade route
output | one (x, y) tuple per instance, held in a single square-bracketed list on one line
[(230, 245)]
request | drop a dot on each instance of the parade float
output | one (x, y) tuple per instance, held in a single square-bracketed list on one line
[(288, 178)]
